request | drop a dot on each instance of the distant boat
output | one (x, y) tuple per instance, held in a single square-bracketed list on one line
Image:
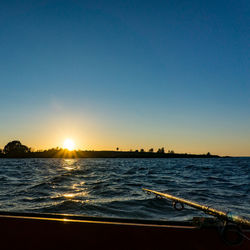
[(59, 231)]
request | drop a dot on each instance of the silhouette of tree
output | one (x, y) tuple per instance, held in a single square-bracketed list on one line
[(151, 150), (161, 150), (142, 150), (117, 149), (15, 148)]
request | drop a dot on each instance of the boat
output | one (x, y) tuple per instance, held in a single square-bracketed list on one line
[(59, 231), (31, 231)]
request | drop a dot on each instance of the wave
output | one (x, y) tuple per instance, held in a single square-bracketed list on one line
[(113, 187)]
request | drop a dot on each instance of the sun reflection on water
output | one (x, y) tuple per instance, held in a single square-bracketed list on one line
[(69, 168), (70, 164), (69, 195), (72, 195), (75, 192), (78, 186)]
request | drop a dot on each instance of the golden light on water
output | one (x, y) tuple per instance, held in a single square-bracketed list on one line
[(69, 144), (76, 195), (69, 195)]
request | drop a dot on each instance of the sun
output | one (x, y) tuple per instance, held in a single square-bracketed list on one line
[(69, 144)]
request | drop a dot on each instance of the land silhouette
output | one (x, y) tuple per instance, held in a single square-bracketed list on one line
[(15, 149)]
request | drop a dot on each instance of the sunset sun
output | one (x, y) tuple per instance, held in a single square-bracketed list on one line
[(69, 144)]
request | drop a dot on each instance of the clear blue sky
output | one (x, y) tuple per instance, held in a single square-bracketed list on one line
[(127, 74)]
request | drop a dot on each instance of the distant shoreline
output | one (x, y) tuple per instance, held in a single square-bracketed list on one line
[(63, 153)]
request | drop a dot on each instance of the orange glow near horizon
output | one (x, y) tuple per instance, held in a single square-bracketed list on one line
[(69, 144)]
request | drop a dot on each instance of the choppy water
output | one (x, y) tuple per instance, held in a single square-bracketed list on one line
[(112, 187)]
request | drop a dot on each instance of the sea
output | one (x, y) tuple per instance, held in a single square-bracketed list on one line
[(113, 187)]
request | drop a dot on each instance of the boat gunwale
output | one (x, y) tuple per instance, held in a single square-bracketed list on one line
[(70, 218), (97, 220)]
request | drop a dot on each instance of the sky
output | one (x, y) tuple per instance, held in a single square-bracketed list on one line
[(128, 74)]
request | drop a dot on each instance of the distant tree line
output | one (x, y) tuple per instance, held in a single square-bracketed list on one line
[(15, 149), (151, 150)]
